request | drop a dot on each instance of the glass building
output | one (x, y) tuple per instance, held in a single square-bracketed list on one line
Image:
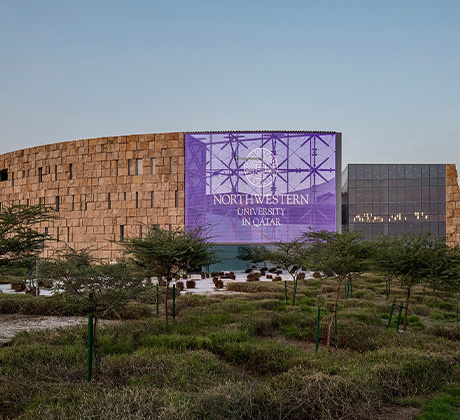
[(394, 198)]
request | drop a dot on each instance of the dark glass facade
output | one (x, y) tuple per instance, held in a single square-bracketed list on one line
[(394, 198)]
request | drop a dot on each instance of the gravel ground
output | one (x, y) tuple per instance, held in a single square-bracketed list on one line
[(10, 325)]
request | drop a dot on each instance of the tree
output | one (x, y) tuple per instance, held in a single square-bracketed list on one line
[(253, 254), (290, 256), (108, 287), (336, 255), (19, 237), (166, 253), (414, 258)]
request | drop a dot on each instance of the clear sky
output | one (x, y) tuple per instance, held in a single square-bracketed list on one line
[(385, 74)]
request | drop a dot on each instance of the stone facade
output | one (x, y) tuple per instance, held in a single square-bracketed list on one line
[(452, 205), (102, 188)]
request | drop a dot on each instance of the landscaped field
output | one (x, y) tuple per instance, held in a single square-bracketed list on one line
[(242, 356)]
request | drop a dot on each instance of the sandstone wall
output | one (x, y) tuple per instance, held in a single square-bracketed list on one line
[(97, 192), (452, 205)]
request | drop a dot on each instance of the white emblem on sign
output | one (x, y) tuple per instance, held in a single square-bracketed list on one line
[(261, 167)]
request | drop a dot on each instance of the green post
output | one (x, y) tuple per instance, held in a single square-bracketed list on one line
[(174, 301), (391, 315), (399, 317), (457, 311), (89, 371), (350, 286), (295, 291), (317, 328), (158, 312), (285, 293), (335, 328)]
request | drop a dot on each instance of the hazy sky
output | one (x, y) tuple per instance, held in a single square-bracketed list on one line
[(385, 74)]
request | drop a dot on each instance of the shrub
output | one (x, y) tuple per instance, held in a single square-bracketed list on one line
[(248, 270), (301, 276), (268, 276), (219, 284), (277, 278), (18, 285), (253, 277), (180, 285), (191, 284), (316, 275)]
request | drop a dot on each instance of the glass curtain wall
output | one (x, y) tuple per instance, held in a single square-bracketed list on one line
[(394, 198)]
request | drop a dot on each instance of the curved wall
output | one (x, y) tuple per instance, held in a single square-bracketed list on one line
[(103, 187)]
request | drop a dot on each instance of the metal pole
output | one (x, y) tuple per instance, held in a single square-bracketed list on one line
[(158, 312), (174, 301), (391, 315), (295, 291), (285, 293), (351, 286), (89, 371), (37, 263), (399, 317), (318, 319)]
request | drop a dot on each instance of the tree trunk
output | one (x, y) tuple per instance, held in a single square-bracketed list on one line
[(334, 310), (166, 300), (406, 306)]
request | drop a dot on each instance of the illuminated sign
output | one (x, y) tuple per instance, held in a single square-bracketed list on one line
[(260, 187)]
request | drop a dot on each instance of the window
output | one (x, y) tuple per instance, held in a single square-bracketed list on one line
[(109, 203), (85, 205), (68, 234), (70, 171), (129, 166), (122, 232), (4, 175), (57, 203), (170, 165), (152, 166), (137, 200), (124, 196), (139, 168), (116, 167), (57, 235), (140, 231), (55, 172), (170, 227), (40, 174), (176, 198), (28, 202), (46, 231), (12, 179), (73, 202), (151, 199)]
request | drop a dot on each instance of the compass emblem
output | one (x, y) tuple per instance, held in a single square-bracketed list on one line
[(261, 167)]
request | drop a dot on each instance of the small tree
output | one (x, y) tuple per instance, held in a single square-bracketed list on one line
[(337, 255), (76, 273), (166, 253), (19, 237), (253, 254), (290, 256)]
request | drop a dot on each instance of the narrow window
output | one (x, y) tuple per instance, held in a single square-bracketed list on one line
[(86, 203), (12, 179), (139, 167), (140, 231), (116, 167), (68, 234), (40, 174), (129, 166), (152, 166), (176, 198), (122, 232), (137, 200), (73, 203), (170, 227), (57, 203), (4, 175), (55, 172), (46, 231), (109, 203), (124, 196), (0, 206), (28, 202), (57, 234), (48, 170), (70, 171), (151, 199), (170, 165)]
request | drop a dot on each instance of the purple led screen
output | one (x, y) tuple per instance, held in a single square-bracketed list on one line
[(260, 187)]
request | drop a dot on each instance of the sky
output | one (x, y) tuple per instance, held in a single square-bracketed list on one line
[(385, 74)]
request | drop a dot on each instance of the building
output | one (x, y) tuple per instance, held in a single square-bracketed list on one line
[(397, 198), (249, 187)]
